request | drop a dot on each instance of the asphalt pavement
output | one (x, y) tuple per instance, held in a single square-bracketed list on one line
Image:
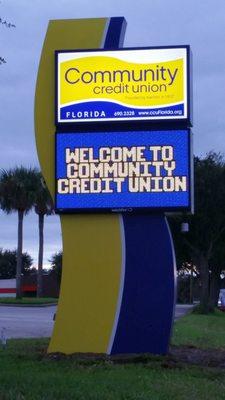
[(26, 322), (182, 309), (36, 322)]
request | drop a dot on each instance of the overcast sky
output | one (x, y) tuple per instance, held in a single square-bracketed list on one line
[(200, 23)]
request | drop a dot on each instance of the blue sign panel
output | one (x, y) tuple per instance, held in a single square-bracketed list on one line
[(123, 171)]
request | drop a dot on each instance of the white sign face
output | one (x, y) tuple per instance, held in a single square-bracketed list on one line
[(123, 85)]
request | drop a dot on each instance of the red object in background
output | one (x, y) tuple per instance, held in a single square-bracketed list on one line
[(29, 288), (7, 290)]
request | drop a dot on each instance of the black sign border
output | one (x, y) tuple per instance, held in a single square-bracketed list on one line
[(89, 125)]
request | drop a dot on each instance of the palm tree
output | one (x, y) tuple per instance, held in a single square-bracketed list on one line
[(43, 206), (56, 263), (17, 194)]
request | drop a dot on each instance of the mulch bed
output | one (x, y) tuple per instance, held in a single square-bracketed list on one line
[(178, 356), (195, 356)]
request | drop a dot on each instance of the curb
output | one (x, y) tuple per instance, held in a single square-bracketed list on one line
[(28, 305)]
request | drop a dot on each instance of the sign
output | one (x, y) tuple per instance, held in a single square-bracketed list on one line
[(123, 85), (123, 171)]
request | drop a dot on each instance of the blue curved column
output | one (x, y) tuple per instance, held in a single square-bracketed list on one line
[(148, 287)]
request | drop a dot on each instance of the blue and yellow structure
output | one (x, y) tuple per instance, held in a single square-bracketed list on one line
[(118, 282)]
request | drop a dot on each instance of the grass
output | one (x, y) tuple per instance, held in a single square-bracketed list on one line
[(203, 331), (28, 301), (26, 374)]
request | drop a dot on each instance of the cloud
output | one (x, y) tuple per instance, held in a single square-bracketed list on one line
[(52, 234), (150, 23)]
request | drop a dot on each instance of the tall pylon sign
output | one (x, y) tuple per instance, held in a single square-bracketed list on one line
[(114, 144)]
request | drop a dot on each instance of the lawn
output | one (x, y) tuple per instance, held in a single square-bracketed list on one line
[(29, 301), (203, 331), (26, 373)]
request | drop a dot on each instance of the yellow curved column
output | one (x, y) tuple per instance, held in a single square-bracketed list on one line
[(92, 253)]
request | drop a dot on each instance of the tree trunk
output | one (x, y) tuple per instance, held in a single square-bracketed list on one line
[(204, 279), (191, 284), (214, 288), (19, 255), (40, 255)]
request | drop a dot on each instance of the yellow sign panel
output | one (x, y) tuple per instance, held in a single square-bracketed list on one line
[(122, 85)]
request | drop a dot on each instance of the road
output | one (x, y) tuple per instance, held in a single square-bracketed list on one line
[(27, 322), (35, 322), (182, 309)]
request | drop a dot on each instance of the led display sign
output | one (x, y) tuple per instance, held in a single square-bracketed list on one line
[(123, 171), (122, 85)]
